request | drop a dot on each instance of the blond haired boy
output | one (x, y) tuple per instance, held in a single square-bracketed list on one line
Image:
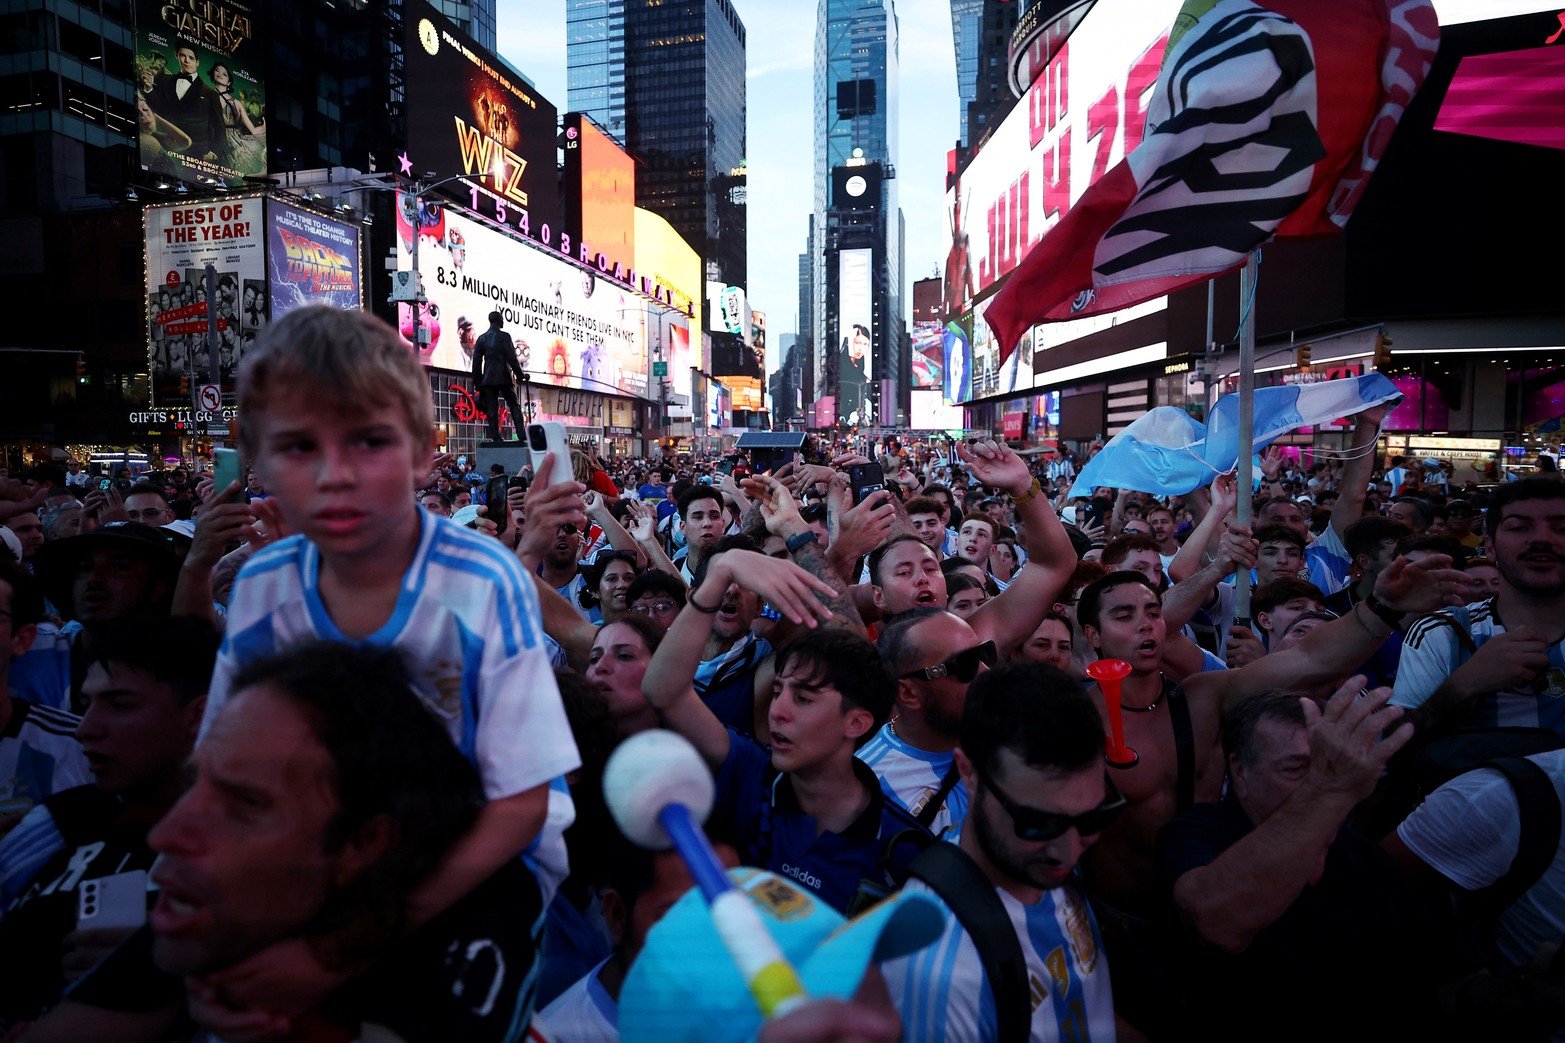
[(335, 417)]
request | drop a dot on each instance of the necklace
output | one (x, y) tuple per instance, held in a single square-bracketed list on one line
[(1144, 709)]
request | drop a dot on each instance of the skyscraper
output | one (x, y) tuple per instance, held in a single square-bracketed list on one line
[(475, 17), (967, 18), (857, 251), (685, 122), (595, 57)]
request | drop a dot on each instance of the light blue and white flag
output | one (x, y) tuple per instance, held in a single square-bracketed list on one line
[(1169, 452)]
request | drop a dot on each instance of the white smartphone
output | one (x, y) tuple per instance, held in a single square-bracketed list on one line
[(549, 437), (225, 469), (118, 901)]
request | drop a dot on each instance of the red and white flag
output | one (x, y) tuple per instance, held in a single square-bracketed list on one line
[(1266, 122)]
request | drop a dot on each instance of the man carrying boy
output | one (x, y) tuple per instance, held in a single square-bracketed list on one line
[(338, 422)]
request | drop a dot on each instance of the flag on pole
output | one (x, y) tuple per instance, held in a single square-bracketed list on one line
[(1170, 453), (1266, 122)]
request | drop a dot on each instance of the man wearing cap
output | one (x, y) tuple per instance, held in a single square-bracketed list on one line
[(1031, 765)]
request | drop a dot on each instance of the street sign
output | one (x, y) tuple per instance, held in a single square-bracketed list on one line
[(210, 397), (660, 369)]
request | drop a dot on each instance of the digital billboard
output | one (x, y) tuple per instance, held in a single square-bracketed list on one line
[(200, 100), (746, 393), (311, 259), (181, 240), (600, 191), (730, 310), (758, 340), (928, 411), (676, 274), (855, 333), (468, 116), (956, 347), (670, 332), (856, 187), (1077, 120), (571, 328)]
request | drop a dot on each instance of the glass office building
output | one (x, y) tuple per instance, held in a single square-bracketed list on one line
[(595, 62)]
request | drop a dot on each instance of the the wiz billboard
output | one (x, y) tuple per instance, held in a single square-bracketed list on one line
[(468, 117), (200, 101)]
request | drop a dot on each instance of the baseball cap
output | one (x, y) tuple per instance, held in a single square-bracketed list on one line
[(684, 985), (468, 515), (181, 527)]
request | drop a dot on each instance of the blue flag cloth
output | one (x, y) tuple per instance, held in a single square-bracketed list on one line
[(1169, 452)]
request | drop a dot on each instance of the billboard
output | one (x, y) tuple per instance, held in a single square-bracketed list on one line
[(468, 116), (674, 270), (181, 239), (928, 411), (758, 339), (600, 191), (856, 333), (572, 329), (956, 347), (746, 393), (1078, 118), (856, 187), (311, 259), (730, 310), (200, 100)]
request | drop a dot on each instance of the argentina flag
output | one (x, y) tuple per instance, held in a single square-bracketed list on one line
[(1169, 452)]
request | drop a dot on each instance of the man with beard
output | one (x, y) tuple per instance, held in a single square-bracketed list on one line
[(1031, 764), (1500, 660)]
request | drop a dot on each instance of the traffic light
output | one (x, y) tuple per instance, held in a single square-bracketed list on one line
[(1303, 356), (1382, 351)]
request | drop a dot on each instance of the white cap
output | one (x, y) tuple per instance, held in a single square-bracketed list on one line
[(183, 527)]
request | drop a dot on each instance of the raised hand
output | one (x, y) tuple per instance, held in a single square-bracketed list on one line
[(778, 507), (1352, 738), (994, 464), (857, 529), (1422, 586), (782, 584), (1225, 494), (1271, 463), (638, 521)]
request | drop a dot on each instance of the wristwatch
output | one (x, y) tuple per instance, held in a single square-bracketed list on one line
[(1388, 615), (800, 540), (1032, 490)]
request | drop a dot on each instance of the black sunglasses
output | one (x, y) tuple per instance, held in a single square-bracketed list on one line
[(963, 666), (1033, 824)]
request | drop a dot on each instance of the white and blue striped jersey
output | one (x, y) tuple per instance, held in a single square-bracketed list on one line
[(39, 752), (467, 623), (911, 776), (943, 995)]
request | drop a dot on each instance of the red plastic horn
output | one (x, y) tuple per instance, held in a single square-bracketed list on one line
[(1110, 675)]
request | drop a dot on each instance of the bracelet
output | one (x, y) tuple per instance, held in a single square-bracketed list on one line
[(1032, 490), (693, 603), (799, 541)]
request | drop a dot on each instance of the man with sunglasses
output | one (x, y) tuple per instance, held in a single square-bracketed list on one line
[(1031, 766), (934, 655)]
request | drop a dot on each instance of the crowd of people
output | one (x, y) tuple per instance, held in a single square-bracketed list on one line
[(320, 754)]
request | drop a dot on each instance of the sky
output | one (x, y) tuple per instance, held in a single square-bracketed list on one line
[(780, 38)]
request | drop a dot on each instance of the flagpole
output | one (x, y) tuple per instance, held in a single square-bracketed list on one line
[(1247, 280)]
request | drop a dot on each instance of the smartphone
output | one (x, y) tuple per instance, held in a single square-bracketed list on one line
[(118, 901), (725, 465), (225, 468), (866, 478), (549, 437), (494, 499)]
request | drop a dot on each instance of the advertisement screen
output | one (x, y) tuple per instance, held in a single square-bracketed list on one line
[(181, 241), (746, 393), (956, 346), (730, 310), (929, 412), (856, 334), (669, 331), (663, 256), (311, 259), (1076, 121), (468, 116), (200, 101), (571, 328), (758, 340), (928, 357), (600, 191)]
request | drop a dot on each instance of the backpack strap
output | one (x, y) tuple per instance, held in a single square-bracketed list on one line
[(972, 898), (932, 806), (1184, 743), (1539, 807)]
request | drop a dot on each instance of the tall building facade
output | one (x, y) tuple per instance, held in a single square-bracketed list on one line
[(967, 19), (857, 248), (475, 17), (685, 123), (595, 62)]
